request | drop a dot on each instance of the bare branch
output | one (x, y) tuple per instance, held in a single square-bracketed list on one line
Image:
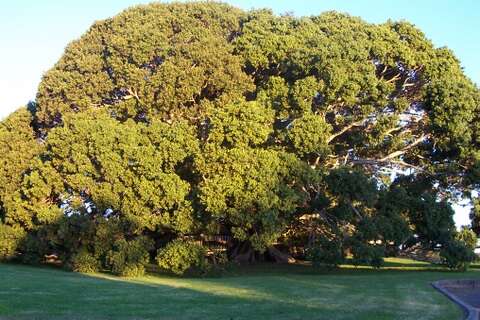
[(404, 150), (384, 70), (315, 164), (376, 162), (389, 131), (133, 93), (345, 129), (407, 165), (395, 78), (405, 85), (356, 211)]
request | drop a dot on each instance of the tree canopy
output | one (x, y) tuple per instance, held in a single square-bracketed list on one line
[(184, 120)]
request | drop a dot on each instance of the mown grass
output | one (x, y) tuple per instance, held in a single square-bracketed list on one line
[(400, 291)]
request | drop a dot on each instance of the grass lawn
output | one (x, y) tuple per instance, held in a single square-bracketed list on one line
[(401, 291)]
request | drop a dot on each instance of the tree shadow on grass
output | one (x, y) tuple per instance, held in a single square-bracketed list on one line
[(260, 269), (47, 293)]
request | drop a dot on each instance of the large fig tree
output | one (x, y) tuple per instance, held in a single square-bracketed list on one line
[(180, 120)]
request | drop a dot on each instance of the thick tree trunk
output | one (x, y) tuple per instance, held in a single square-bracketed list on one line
[(280, 257), (244, 253)]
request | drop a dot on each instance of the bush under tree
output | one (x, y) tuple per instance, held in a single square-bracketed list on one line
[(326, 252), (128, 258), (457, 255), (180, 256)]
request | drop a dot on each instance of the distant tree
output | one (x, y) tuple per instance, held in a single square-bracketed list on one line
[(467, 236), (475, 216), (457, 255)]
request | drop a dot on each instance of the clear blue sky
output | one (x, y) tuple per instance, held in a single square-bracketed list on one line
[(33, 33)]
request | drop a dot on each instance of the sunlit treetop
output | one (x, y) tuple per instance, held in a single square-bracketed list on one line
[(381, 95)]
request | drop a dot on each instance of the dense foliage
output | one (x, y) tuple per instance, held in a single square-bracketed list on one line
[(189, 120), (456, 255), (326, 252), (468, 237), (180, 256), (84, 262), (129, 258), (475, 216)]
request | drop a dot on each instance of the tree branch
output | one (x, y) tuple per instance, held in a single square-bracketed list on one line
[(133, 93), (389, 131), (356, 211), (376, 162), (400, 152), (395, 78), (345, 129)]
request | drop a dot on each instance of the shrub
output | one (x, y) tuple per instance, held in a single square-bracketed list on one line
[(376, 256), (326, 252), (10, 238), (179, 256), (456, 255), (368, 254), (84, 262), (129, 258)]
